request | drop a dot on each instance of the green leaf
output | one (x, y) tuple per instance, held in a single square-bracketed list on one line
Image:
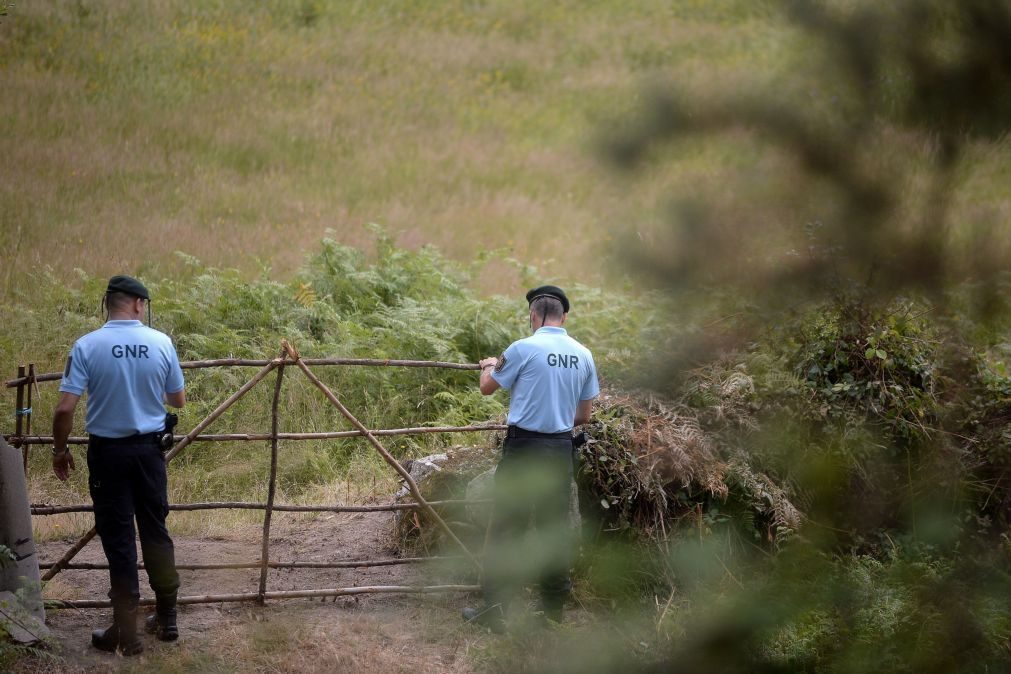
[(880, 354)]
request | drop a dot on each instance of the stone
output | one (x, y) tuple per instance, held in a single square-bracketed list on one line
[(18, 622), (419, 469), (21, 576)]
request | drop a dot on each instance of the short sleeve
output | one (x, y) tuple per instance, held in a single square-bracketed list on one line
[(75, 374), (508, 368), (174, 382), (591, 387)]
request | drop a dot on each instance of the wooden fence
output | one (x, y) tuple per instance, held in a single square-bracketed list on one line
[(27, 381)]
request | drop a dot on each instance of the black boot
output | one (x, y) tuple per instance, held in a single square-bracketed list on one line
[(121, 635), (163, 621), (491, 617), (549, 610)]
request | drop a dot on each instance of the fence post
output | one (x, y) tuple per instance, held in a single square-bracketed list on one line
[(271, 484), (18, 422), (411, 484), (28, 413)]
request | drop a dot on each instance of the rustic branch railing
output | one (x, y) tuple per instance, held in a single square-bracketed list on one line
[(28, 379), (44, 509), (343, 564), (23, 378), (289, 594), (259, 437)]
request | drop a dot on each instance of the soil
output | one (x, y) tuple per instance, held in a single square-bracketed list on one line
[(383, 632)]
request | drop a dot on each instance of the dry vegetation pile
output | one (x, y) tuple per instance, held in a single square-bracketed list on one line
[(647, 471), (649, 465)]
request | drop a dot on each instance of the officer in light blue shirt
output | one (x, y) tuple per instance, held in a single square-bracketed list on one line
[(553, 381), (128, 371)]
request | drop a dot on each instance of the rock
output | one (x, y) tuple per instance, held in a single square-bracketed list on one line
[(21, 576), (419, 469), (17, 621), (480, 488), (441, 477)]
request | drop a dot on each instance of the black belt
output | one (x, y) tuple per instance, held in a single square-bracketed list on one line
[(517, 432), (139, 439)]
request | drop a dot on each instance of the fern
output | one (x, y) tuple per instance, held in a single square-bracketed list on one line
[(305, 295)]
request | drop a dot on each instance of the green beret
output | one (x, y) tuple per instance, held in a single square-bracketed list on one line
[(549, 291), (128, 285)]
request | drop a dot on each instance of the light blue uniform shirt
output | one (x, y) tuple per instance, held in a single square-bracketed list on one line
[(126, 368), (548, 374)]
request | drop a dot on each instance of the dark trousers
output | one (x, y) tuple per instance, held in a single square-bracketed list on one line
[(128, 480), (532, 487)]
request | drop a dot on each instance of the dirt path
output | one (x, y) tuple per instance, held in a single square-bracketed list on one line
[(365, 633)]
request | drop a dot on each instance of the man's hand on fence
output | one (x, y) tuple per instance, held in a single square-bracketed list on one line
[(63, 463)]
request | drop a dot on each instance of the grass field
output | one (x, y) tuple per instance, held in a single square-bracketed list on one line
[(242, 135), (239, 134)]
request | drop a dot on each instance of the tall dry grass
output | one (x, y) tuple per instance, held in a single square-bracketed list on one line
[(240, 134)]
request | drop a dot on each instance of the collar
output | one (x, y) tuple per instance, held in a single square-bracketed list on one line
[(551, 329), (122, 324)]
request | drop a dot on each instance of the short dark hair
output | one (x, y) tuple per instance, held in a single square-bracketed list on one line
[(550, 291), (116, 301), (547, 307)]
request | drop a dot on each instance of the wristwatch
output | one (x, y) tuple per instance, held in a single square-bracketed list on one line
[(57, 452)]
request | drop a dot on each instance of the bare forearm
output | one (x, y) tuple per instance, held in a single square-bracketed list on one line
[(63, 423), (486, 383), (177, 399)]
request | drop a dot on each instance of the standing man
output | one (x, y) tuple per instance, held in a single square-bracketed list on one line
[(129, 371), (553, 381)]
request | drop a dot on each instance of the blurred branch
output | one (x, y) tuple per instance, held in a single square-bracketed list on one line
[(921, 82)]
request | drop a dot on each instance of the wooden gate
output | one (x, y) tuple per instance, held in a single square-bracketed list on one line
[(27, 381)]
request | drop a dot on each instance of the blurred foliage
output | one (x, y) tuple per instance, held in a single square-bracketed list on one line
[(858, 189), (7, 557), (899, 558), (855, 355), (879, 367), (16, 616)]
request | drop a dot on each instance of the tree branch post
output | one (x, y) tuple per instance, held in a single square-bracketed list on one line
[(271, 484), (411, 484)]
